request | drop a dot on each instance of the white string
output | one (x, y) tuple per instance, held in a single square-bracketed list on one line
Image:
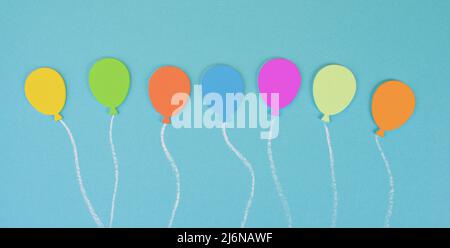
[(391, 184), (80, 180), (250, 170), (116, 171), (333, 178), (283, 199), (175, 171)]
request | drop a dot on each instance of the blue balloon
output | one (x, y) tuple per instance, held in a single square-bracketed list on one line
[(222, 79)]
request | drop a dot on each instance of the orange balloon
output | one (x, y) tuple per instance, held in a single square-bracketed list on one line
[(392, 104), (164, 84)]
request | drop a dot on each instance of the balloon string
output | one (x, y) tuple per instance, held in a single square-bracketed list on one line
[(333, 178), (391, 184), (116, 171), (278, 187), (80, 180), (175, 171), (250, 170)]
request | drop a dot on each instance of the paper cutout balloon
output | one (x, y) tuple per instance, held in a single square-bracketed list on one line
[(279, 76), (46, 91), (392, 105), (333, 89), (223, 79), (109, 81), (165, 83)]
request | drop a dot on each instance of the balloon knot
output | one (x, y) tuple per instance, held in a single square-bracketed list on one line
[(113, 111), (380, 133), (326, 118), (275, 111), (58, 117), (166, 120)]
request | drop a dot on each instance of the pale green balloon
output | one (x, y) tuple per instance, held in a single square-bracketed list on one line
[(333, 89)]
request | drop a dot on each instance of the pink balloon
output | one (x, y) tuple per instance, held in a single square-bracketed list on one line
[(279, 76)]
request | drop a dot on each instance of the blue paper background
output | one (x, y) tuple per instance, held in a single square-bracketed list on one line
[(377, 39)]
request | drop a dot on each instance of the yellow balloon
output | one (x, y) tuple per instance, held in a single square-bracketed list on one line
[(46, 91)]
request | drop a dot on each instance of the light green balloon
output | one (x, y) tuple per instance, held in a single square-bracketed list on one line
[(109, 81), (333, 89)]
